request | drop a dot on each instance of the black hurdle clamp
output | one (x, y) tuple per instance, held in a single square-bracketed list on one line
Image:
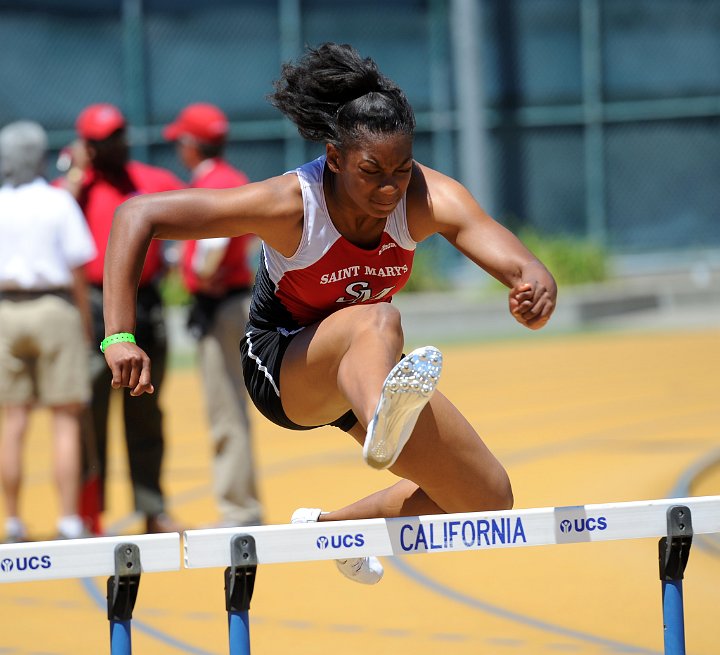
[(674, 550), (240, 575), (122, 588)]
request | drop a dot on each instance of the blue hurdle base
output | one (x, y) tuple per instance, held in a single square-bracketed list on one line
[(120, 638), (673, 553), (673, 617), (239, 633), (239, 585)]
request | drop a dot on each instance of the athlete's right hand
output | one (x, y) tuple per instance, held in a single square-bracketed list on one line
[(130, 367)]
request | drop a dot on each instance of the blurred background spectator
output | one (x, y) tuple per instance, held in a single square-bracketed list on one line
[(44, 243), (218, 274), (101, 177)]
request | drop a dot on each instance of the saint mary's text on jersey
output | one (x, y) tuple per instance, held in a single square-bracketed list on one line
[(355, 271)]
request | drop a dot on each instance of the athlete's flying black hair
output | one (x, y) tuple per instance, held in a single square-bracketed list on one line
[(334, 95)]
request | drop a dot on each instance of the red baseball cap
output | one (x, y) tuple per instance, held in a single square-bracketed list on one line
[(203, 121), (98, 122)]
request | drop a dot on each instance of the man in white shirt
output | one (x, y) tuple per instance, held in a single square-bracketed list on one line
[(44, 243)]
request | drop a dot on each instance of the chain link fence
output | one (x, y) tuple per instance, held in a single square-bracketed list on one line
[(600, 116)]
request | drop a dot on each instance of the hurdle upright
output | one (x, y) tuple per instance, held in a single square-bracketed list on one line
[(673, 520)]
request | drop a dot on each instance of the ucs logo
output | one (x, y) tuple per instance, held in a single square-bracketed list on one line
[(583, 525), (24, 563), (340, 541)]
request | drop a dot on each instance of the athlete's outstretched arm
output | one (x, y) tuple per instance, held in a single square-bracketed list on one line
[(450, 210), (271, 209)]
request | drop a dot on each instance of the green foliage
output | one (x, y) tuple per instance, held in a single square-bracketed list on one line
[(571, 260), (172, 290), (427, 271)]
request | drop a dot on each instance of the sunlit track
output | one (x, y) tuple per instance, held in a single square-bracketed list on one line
[(588, 419)]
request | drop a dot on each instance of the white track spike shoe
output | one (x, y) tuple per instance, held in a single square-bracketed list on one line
[(405, 392), (365, 570)]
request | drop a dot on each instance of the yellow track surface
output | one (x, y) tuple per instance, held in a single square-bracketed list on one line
[(581, 419)]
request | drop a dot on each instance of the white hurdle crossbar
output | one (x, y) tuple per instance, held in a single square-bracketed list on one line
[(674, 520), (240, 550), (451, 532), (84, 558)]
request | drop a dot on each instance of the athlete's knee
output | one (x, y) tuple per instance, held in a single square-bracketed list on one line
[(384, 320), (385, 315), (503, 493), (494, 494), (490, 491), (500, 493)]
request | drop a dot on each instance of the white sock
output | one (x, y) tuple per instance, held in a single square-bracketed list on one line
[(70, 526), (306, 515)]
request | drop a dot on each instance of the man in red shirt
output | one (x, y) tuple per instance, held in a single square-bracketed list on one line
[(102, 177), (218, 275)]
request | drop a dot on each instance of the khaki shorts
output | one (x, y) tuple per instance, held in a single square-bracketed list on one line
[(43, 352)]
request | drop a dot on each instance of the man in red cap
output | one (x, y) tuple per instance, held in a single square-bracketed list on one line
[(218, 275), (101, 177)]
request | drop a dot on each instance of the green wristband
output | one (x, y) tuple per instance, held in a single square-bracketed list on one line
[(116, 338)]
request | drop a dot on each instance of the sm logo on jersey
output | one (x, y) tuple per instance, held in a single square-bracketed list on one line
[(361, 292)]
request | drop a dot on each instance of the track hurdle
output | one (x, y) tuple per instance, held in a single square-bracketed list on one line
[(674, 520), (123, 559), (241, 550)]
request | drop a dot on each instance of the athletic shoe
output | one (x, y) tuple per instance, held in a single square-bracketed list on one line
[(306, 515), (405, 392), (15, 531), (15, 539), (72, 527), (365, 570)]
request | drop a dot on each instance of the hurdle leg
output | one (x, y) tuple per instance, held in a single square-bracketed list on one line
[(239, 585), (122, 590), (674, 551)]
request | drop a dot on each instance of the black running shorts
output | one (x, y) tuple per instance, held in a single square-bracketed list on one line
[(262, 352)]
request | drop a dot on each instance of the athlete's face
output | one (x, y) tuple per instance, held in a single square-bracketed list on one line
[(373, 175)]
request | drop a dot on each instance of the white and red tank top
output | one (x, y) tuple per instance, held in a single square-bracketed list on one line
[(327, 272)]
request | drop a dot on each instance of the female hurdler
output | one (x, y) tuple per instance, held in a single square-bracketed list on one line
[(323, 345)]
